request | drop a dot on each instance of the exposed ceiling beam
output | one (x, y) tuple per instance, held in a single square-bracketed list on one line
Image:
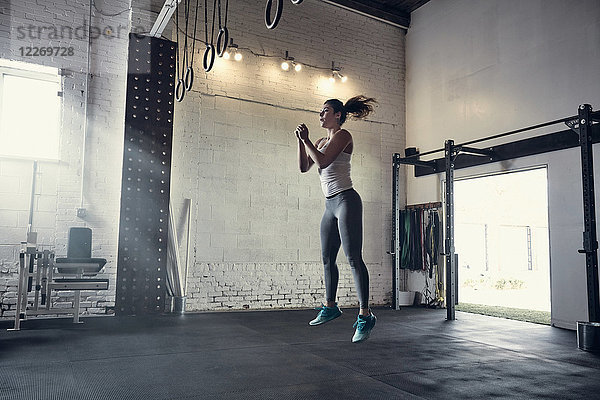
[(399, 19), (164, 17)]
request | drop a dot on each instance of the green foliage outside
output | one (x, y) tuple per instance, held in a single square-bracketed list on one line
[(518, 314), (500, 284)]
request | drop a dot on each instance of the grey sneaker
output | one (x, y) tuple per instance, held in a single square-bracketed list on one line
[(326, 314), (363, 327)]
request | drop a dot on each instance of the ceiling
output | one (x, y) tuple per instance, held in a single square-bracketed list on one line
[(396, 12)]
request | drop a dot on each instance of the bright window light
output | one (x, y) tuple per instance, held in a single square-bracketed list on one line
[(29, 117)]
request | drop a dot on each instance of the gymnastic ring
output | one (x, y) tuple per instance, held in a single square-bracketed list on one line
[(209, 57), (296, 1), (180, 85), (272, 24), (222, 41), (188, 78)]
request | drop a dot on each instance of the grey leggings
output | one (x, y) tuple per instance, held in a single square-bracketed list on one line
[(342, 224)]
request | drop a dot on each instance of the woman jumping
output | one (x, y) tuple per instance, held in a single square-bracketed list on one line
[(342, 221)]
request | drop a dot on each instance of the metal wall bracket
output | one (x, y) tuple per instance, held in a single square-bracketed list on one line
[(414, 160), (490, 153), (573, 125)]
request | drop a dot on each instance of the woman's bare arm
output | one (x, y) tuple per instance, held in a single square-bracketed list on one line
[(305, 161), (339, 141)]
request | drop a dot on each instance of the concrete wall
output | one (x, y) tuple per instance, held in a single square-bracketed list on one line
[(256, 218), (479, 68)]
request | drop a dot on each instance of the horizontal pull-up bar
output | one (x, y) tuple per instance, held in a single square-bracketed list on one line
[(558, 121), (546, 143), (529, 128)]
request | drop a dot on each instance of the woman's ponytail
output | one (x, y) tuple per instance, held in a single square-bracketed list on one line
[(358, 107)]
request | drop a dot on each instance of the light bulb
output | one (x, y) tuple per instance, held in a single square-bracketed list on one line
[(285, 66), (238, 56), (226, 55), (298, 67), (331, 79), (344, 79)]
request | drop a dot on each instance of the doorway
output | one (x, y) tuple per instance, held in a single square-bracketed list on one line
[(502, 240)]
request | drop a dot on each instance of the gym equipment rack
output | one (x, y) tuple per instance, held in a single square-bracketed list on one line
[(583, 130)]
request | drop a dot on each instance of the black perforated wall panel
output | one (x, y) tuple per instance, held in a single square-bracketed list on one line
[(141, 267)]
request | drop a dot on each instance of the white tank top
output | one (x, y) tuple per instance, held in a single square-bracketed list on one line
[(335, 178)]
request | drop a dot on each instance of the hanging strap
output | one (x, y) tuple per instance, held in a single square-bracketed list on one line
[(223, 36), (194, 37), (209, 54), (206, 22), (186, 13), (220, 26), (212, 31), (179, 87)]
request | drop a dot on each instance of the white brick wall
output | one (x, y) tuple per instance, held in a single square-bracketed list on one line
[(255, 229)]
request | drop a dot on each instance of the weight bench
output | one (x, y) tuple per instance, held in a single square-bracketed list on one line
[(76, 272)]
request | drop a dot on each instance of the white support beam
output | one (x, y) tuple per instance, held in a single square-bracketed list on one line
[(164, 17)]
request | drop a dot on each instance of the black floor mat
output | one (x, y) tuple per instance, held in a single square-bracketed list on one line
[(412, 353)]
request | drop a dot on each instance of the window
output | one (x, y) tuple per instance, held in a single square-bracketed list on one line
[(29, 111)]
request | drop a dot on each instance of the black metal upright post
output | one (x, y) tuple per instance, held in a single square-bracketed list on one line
[(449, 251), (396, 229), (588, 333), (590, 242)]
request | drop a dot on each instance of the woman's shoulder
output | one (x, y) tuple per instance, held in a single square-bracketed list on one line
[(345, 136), (343, 133)]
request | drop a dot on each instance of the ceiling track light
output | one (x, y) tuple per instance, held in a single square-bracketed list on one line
[(335, 73), (232, 49), (288, 63), (342, 77)]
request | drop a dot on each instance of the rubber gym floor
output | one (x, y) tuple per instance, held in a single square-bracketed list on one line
[(413, 353)]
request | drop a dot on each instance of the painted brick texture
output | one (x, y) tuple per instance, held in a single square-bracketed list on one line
[(255, 229)]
